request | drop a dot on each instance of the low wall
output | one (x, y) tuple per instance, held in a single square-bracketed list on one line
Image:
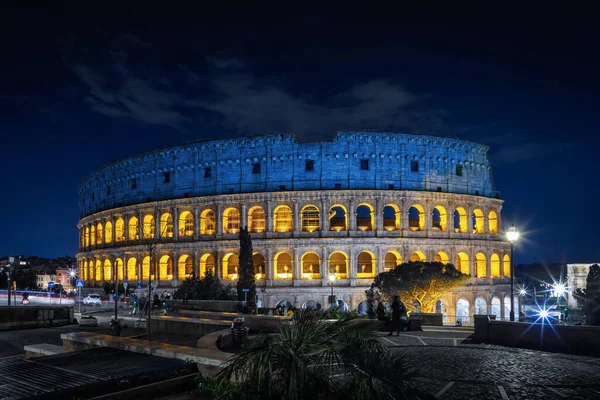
[(197, 327), (256, 323), (208, 305), (581, 340), (435, 319), (34, 317)]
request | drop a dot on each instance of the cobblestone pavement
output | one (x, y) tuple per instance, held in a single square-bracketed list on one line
[(451, 366)]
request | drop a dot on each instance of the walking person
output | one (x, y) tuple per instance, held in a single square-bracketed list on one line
[(396, 314)]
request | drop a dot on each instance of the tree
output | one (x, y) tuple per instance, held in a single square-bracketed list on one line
[(209, 287), (311, 358), (421, 283), (24, 278), (246, 278), (592, 293)]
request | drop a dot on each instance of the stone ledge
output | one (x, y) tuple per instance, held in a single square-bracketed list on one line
[(42, 349)]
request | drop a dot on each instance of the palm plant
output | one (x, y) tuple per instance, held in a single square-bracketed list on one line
[(312, 358)]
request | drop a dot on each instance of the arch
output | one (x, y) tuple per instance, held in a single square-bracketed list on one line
[(93, 235), (311, 305), (185, 267), (311, 218), (439, 219), (391, 217), (134, 233), (256, 219), (84, 265), (99, 271), (107, 271), (493, 222), (119, 230), (99, 234), (365, 217), (148, 226), (496, 307), (165, 268), (480, 265), (208, 222), (282, 219), (463, 311), (82, 238), (506, 265), (460, 220), (186, 224), (338, 265), (311, 266), (364, 307), (231, 266), (146, 269), (478, 221), (480, 306), (284, 304), (417, 256), (258, 260), (495, 266), (462, 263), (87, 236), (366, 265), (120, 269), (166, 225), (338, 218), (416, 218), (283, 266), (441, 257), (391, 260), (207, 264), (506, 308), (132, 273), (108, 232), (231, 220)]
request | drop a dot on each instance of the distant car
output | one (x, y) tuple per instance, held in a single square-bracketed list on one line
[(92, 299)]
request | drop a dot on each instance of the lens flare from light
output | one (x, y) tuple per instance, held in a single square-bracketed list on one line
[(543, 313), (559, 289), (522, 292)]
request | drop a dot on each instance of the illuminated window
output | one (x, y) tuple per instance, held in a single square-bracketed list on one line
[(364, 165), (462, 263), (338, 265), (338, 218), (148, 226), (416, 218), (108, 232), (256, 219), (133, 229), (231, 221), (283, 219), (311, 266), (460, 220), (493, 223), (256, 168), (365, 217), (207, 222), (310, 165), (120, 230), (391, 217), (478, 221), (310, 219), (166, 225), (186, 224), (366, 265), (480, 265), (392, 260), (414, 166), (439, 219)]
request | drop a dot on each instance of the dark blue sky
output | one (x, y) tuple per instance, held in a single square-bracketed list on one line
[(81, 87)]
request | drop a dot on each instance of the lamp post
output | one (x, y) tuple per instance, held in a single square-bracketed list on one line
[(332, 280), (512, 235)]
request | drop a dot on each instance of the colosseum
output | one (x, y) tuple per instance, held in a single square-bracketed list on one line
[(351, 207)]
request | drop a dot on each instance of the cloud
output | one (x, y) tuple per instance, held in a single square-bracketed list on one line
[(225, 62)]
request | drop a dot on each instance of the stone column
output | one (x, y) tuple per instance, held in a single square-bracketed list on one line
[(157, 233), (219, 219), (175, 279), (141, 224), (196, 263), (126, 227), (296, 220), (404, 215), (244, 216), (352, 216), (378, 216), (470, 219), (296, 267), (428, 217), (486, 222), (196, 224), (269, 216), (175, 212), (324, 214), (269, 272), (352, 267)]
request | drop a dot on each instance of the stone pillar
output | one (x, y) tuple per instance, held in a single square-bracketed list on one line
[(269, 272), (352, 267), (219, 219), (175, 222), (244, 216), (324, 214), (324, 265), (470, 219), (196, 225), (296, 267), (126, 227), (428, 217), (175, 279), (486, 221), (141, 224), (296, 220), (404, 215), (157, 233), (378, 216), (269, 216), (352, 219)]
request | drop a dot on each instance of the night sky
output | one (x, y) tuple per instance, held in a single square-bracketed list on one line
[(81, 87)]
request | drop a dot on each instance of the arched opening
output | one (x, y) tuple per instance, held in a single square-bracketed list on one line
[(506, 265), (207, 264), (480, 306), (120, 230), (365, 217), (311, 305), (186, 224), (256, 219), (439, 219), (207, 222), (93, 235), (132, 273), (165, 268), (338, 265), (493, 222), (311, 219), (460, 220), (506, 308), (146, 269), (462, 263), (416, 218), (82, 239), (134, 233), (366, 265), (185, 267), (99, 234), (107, 271), (463, 311), (480, 265), (441, 257), (259, 266), (148, 226), (391, 217), (496, 307), (108, 232), (99, 270), (87, 236), (85, 270), (120, 268), (284, 304), (391, 260), (478, 223), (166, 225), (231, 266), (283, 266), (417, 256), (364, 307), (495, 266), (311, 266), (338, 218), (231, 221), (282, 219)]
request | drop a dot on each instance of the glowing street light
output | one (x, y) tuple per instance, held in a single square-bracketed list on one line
[(523, 292), (512, 235), (332, 280), (559, 289)]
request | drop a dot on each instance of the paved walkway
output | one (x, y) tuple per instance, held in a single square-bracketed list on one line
[(451, 366)]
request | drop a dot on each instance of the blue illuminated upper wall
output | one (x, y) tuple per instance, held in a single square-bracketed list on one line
[(353, 160)]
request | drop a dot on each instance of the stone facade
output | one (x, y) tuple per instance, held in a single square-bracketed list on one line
[(576, 279), (352, 207)]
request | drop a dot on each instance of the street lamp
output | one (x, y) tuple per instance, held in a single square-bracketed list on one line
[(512, 235), (331, 279)]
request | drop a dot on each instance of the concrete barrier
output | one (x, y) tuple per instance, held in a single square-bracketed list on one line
[(256, 323), (435, 319), (35, 317), (208, 305), (186, 326), (42, 349)]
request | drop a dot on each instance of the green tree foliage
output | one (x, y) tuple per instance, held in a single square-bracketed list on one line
[(25, 278), (418, 282), (246, 278), (592, 292), (208, 287), (313, 359)]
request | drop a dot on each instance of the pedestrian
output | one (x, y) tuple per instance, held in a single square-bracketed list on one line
[(396, 314)]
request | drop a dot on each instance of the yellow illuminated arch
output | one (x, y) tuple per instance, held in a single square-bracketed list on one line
[(417, 256), (460, 220), (441, 257), (282, 218), (366, 265), (134, 233), (480, 265), (462, 263), (478, 221), (338, 265), (146, 269), (185, 267), (99, 270), (186, 224), (99, 234), (506, 265), (231, 266), (311, 218), (87, 236), (108, 276), (256, 219), (495, 266), (119, 266), (207, 222), (439, 219), (148, 226), (93, 235), (165, 268), (231, 220), (132, 271), (338, 218), (207, 263), (365, 223), (166, 225), (311, 266), (259, 266), (493, 222), (283, 266), (108, 232), (391, 260), (416, 217), (391, 217), (120, 230), (85, 271)]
